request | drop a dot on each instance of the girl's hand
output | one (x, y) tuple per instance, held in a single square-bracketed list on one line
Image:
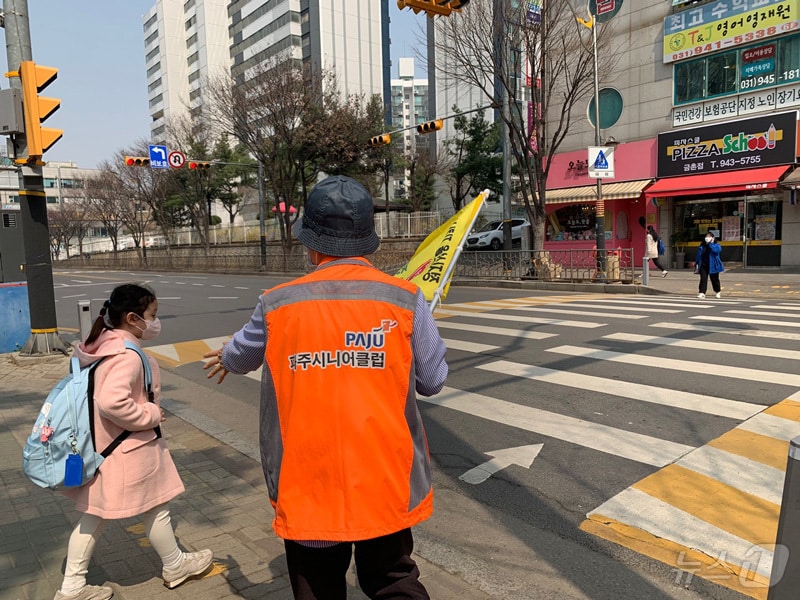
[(215, 365)]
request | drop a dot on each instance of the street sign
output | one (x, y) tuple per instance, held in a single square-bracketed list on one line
[(601, 162), (158, 157), (176, 159), (604, 10)]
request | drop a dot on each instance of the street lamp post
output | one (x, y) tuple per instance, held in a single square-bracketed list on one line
[(600, 207)]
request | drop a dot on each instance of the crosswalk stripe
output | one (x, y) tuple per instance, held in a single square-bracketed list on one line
[(680, 365), (611, 440), (742, 514), (747, 321), (779, 335), (755, 446), (586, 313), (520, 333), (699, 345), (795, 307), (468, 346), (737, 471), (182, 353), (441, 312), (762, 313), (628, 308), (662, 520), (772, 426), (625, 389), (643, 302)]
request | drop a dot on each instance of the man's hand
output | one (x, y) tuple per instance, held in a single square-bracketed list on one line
[(215, 365)]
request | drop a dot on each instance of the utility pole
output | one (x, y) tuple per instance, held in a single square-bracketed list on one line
[(44, 337)]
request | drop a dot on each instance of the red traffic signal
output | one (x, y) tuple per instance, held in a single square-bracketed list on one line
[(430, 126), (137, 161), (199, 165)]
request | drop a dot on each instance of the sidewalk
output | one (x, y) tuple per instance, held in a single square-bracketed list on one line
[(736, 282), (224, 508)]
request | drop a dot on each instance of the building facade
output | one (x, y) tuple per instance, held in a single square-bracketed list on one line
[(707, 125), (409, 108), (186, 45)]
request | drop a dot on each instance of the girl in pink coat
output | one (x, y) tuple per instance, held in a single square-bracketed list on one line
[(138, 477)]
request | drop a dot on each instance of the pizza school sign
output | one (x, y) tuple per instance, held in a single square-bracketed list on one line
[(750, 143)]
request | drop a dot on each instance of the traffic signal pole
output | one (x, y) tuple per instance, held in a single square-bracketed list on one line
[(44, 337)]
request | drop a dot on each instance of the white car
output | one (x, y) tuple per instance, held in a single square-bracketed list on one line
[(491, 235)]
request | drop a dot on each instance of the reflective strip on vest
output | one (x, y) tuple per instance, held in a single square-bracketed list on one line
[(345, 458)]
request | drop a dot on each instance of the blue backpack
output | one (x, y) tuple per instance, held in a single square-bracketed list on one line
[(661, 250), (60, 451)]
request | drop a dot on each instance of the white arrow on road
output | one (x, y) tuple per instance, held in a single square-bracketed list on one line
[(521, 455)]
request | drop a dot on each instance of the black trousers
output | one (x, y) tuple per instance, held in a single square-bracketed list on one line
[(657, 263), (384, 566), (705, 276)]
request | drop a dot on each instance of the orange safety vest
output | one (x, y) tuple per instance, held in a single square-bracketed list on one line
[(343, 447)]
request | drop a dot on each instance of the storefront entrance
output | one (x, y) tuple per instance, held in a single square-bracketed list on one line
[(748, 227)]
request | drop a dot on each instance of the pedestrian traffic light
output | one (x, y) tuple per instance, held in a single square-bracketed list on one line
[(430, 126), (433, 7), (33, 79), (199, 165), (381, 140), (137, 161)]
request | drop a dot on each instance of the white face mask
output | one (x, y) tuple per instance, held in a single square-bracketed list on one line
[(151, 330), (709, 239)]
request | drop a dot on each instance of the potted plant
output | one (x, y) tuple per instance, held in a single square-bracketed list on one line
[(679, 239)]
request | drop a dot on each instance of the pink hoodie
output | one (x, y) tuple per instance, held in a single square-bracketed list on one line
[(139, 474)]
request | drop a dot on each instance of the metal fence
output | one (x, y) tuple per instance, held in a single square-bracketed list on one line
[(544, 265)]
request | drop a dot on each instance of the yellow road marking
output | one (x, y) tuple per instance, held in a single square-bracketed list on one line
[(788, 409), (679, 557), (760, 448), (735, 511)]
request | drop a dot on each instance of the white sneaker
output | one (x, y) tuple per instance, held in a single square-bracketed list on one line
[(192, 563), (664, 273), (719, 294), (87, 592), (701, 295)]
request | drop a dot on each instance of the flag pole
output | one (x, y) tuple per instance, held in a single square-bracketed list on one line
[(437, 295)]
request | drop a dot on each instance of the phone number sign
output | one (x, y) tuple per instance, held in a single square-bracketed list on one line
[(757, 142), (727, 24)]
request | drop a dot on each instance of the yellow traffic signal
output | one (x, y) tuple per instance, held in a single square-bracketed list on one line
[(137, 161), (433, 7), (199, 165), (34, 78), (430, 126), (381, 140)]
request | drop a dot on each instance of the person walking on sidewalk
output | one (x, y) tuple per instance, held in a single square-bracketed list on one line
[(344, 350), (139, 477), (651, 249), (709, 265)]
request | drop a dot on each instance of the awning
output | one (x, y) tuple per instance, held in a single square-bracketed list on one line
[(588, 193), (792, 181), (717, 183)]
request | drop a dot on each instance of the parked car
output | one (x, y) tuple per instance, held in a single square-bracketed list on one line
[(491, 235)]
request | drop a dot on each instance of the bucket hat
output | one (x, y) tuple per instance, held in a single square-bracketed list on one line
[(338, 219)]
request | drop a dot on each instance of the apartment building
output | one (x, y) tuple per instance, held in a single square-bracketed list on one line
[(186, 45), (409, 107)]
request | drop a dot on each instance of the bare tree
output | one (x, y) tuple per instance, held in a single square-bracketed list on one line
[(103, 198), (297, 124), (487, 47)]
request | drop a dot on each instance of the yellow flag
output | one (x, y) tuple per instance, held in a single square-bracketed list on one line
[(428, 268)]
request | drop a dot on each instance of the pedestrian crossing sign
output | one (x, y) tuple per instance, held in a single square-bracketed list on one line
[(601, 162)]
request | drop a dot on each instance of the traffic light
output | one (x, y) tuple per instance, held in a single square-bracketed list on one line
[(137, 161), (199, 165), (34, 78), (430, 126), (433, 7), (381, 140)]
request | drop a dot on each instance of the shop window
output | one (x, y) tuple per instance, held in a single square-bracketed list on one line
[(690, 81), (622, 225), (571, 223), (722, 74)]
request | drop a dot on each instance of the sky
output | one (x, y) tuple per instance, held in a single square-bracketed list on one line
[(98, 48)]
